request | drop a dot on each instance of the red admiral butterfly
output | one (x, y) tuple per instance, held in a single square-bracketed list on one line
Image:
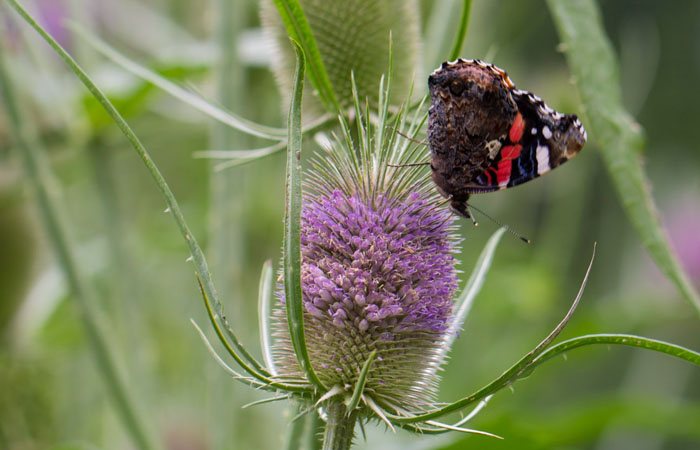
[(485, 135)]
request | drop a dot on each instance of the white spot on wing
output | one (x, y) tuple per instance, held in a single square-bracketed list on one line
[(546, 132), (542, 155), (533, 131), (493, 147)]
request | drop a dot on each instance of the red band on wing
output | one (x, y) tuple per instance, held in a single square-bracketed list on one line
[(508, 154), (517, 129)]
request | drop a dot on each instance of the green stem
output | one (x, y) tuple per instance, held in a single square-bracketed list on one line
[(340, 427), (85, 300)]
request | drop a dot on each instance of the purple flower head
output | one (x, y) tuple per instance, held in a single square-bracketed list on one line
[(377, 275), (380, 269)]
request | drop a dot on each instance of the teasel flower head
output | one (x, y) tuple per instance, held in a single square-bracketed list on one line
[(378, 269)]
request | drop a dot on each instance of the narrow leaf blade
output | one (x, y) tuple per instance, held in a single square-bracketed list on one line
[(193, 100), (594, 66), (461, 31), (629, 340), (292, 227)]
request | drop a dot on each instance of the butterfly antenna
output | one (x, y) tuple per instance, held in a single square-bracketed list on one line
[(501, 224)]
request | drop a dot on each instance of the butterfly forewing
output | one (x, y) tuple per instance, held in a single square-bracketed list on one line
[(485, 135)]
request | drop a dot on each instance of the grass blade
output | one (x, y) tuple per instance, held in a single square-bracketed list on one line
[(620, 139), (299, 30), (84, 298), (180, 93), (461, 31), (292, 227)]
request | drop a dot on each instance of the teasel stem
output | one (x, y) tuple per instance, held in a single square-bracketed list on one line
[(340, 427)]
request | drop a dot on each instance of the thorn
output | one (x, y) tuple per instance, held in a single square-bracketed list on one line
[(166, 210), (189, 259)]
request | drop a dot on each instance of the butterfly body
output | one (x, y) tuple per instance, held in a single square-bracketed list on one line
[(485, 135)]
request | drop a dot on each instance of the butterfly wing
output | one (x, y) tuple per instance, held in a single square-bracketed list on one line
[(539, 140)]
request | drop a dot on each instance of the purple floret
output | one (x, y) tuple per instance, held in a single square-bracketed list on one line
[(386, 267)]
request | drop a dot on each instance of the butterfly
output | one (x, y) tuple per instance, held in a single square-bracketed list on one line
[(485, 135)]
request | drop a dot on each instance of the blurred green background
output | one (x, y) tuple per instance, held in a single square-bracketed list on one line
[(51, 395)]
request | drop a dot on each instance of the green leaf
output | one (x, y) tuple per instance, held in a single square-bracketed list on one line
[(193, 100), (292, 227), (299, 30), (677, 351), (619, 137)]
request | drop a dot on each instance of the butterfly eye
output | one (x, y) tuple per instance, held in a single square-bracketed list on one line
[(456, 87)]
